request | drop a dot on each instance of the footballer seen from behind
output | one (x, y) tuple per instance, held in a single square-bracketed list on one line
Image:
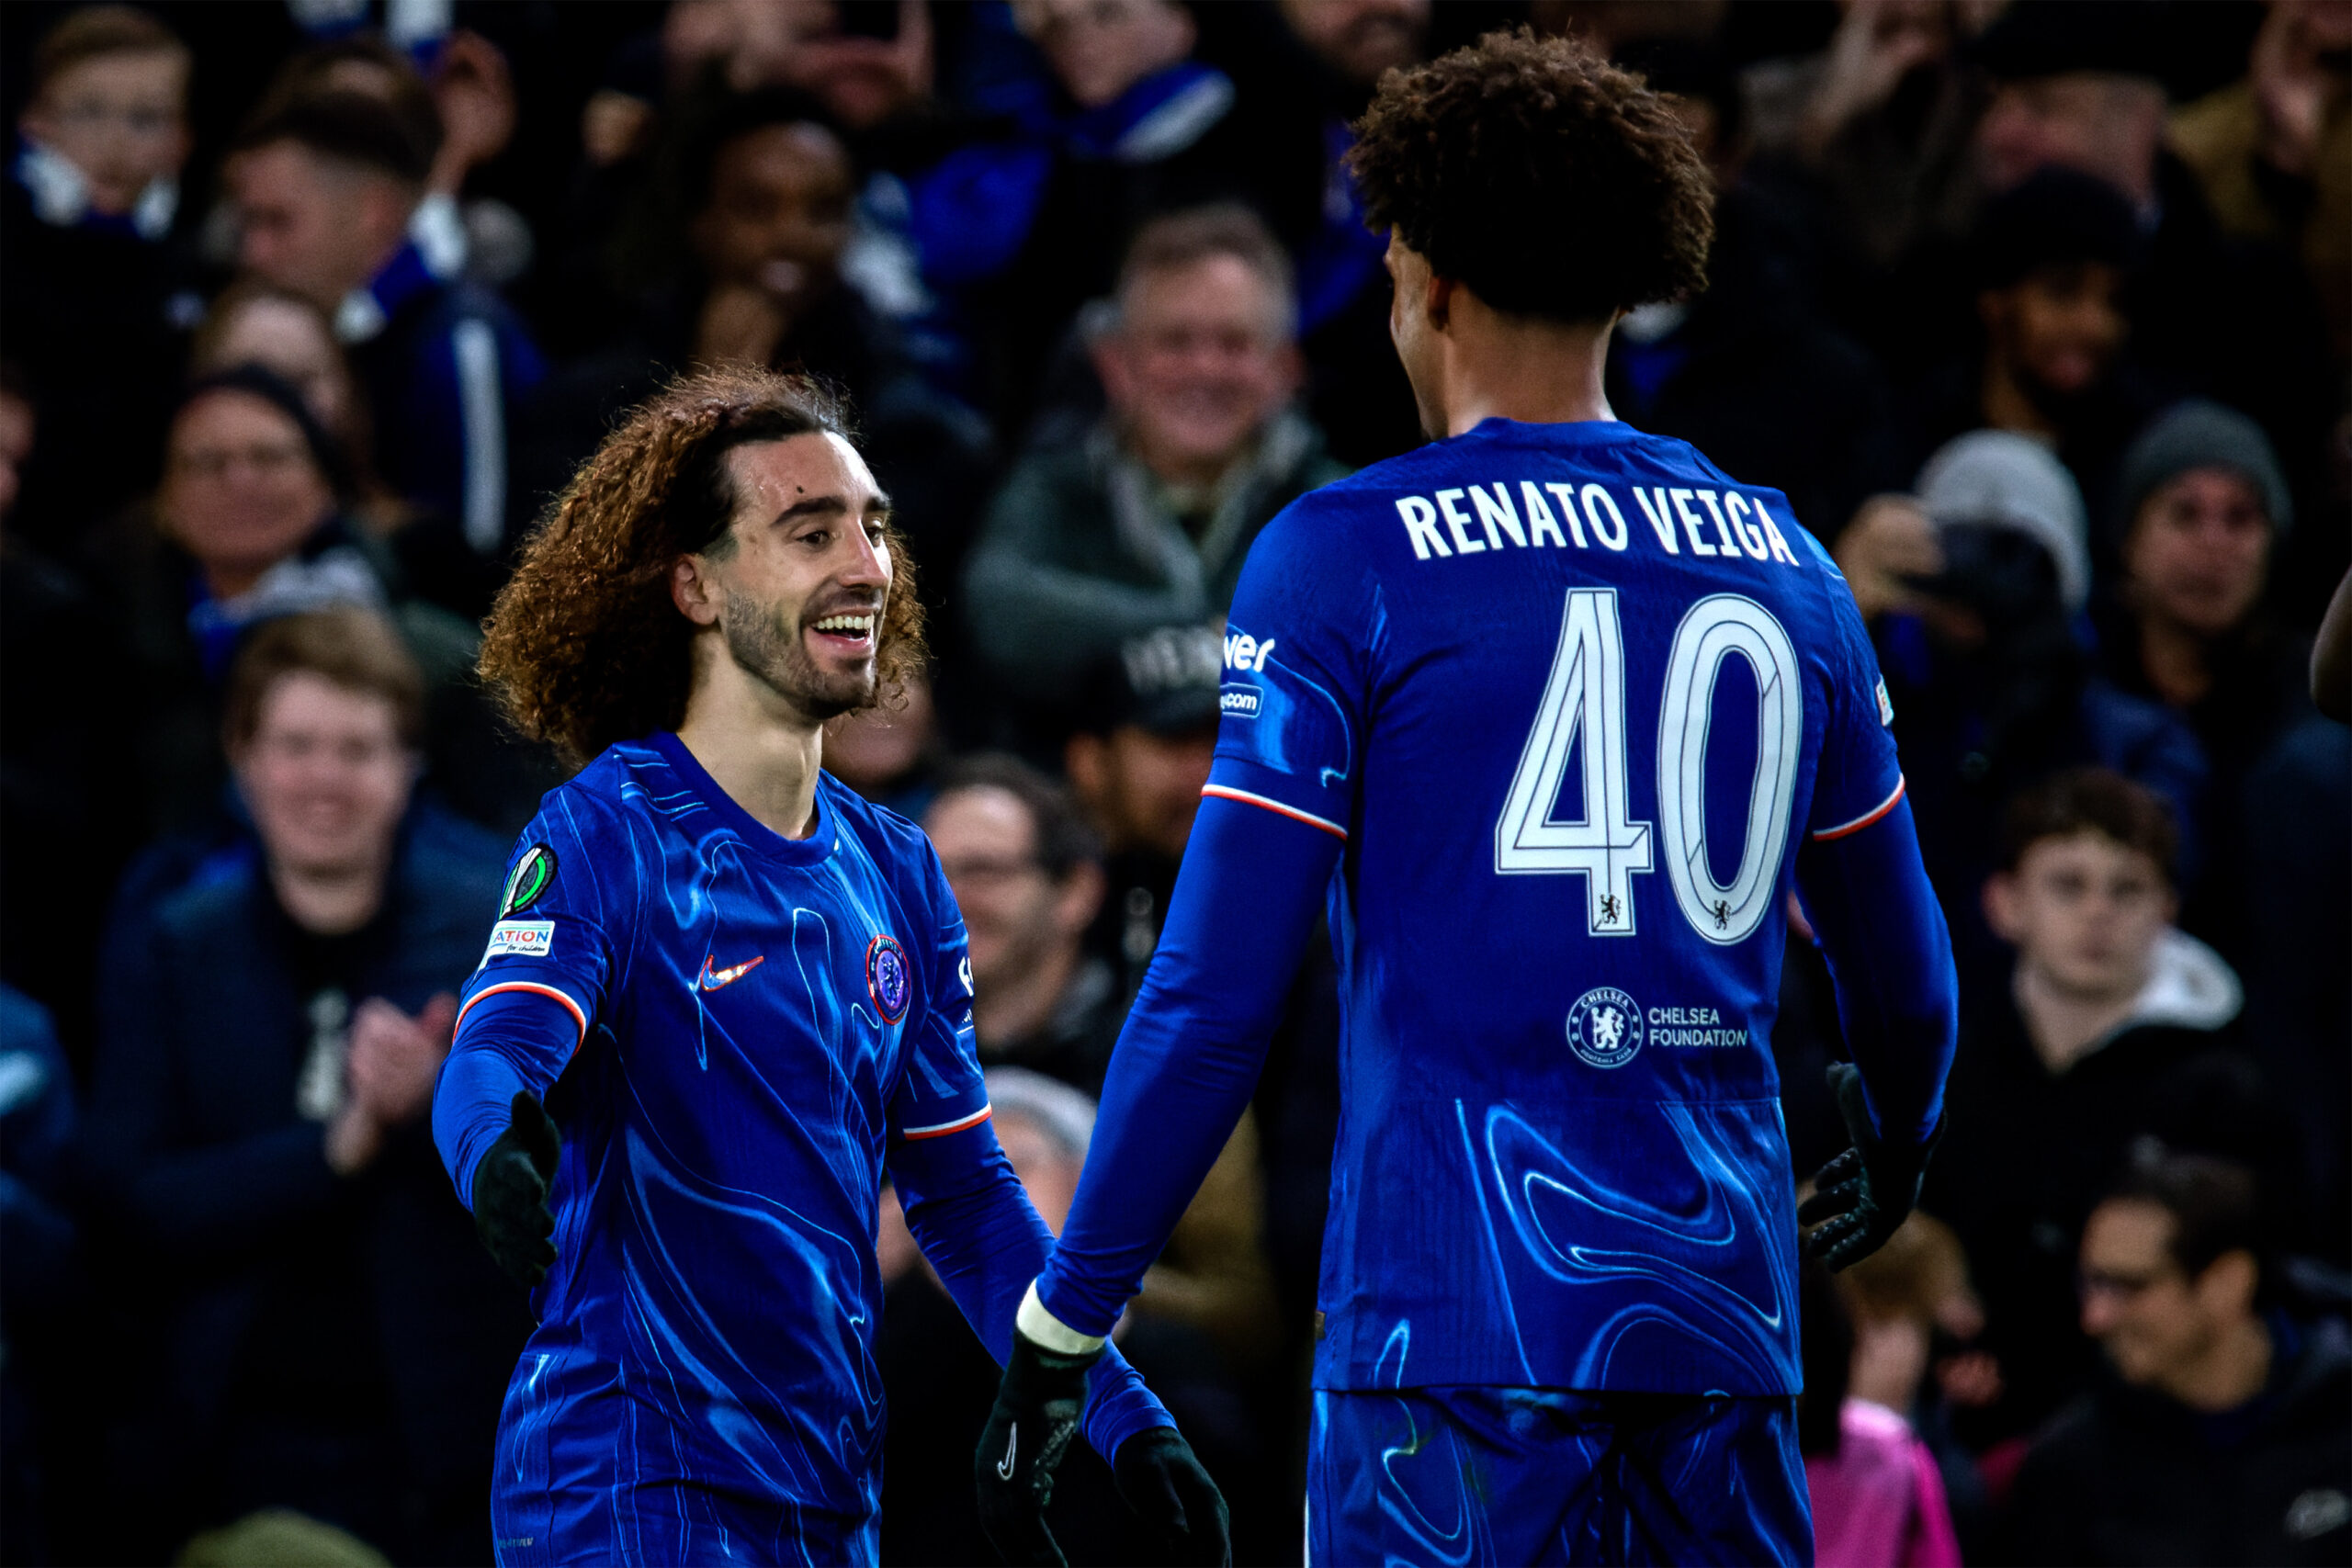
[(1551, 716), (722, 997)]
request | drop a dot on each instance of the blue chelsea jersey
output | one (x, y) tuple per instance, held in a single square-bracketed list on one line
[(1572, 696), (759, 1019)]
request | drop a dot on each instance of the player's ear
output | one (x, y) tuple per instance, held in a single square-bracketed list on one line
[(1437, 299), (692, 591)]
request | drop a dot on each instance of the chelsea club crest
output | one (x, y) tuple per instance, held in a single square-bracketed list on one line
[(1605, 1027), (886, 977)]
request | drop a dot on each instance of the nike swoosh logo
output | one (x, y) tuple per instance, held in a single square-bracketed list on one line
[(1012, 1442), (712, 980)]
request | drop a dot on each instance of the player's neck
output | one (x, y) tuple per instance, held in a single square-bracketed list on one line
[(756, 746), (1494, 366)]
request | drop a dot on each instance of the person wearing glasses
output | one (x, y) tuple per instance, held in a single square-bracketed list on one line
[(2225, 1432)]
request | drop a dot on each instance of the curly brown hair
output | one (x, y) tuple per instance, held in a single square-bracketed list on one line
[(586, 646), (1550, 181)]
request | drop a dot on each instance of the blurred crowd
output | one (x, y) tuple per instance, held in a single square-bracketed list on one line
[(2040, 314)]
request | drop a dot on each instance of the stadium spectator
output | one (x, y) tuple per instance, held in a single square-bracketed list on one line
[(2051, 258), (1020, 233), (248, 525), (2225, 1432), (1136, 761), (767, 194), (2110, 1024), (464, 117), (2075, 90), (1146, 521), (93, 296), (1970, 594), (2202, 511), (1877, 1497), (1917, 1327), (1879, 120), (253, 322), (327, 1335), (1748, 371), (1356, 391), (2273, 151), (1027, 872), (326, 188), (939, 1382)]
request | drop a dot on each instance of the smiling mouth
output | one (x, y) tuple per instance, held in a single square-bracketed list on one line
[(850, 632)]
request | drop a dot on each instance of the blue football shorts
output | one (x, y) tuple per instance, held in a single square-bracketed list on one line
[(1462, 1476)]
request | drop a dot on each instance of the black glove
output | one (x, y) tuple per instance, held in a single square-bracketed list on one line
[(1029, 1429), (511, 1211), (1036, 1416), (1866, 1193), (1174, 1497)]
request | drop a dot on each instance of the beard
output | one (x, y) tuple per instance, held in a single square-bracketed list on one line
[(770, 645)]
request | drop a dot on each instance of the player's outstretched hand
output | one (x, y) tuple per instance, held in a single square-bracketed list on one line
[(1178, 1503), (511, 1211), (1029, 1429), (1863, 1196)]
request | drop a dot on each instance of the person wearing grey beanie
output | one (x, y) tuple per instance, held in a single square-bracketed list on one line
[(2201, 504)]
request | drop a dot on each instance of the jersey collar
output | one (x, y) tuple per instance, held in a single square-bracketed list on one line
[(756, 835)]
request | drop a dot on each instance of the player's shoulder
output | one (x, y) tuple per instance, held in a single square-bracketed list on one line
[(596, 804), (900, 847)]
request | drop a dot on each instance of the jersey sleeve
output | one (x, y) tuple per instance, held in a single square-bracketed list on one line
[(1860, 778), (939, 1092), (965, 1207), (546, 971), (1298, 646)]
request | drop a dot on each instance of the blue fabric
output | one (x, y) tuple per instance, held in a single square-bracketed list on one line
[(1484, 1477), (766, 1022), (1343, 257), (409, 373), (38, 1119), (1882, 932), (1561, 1161)]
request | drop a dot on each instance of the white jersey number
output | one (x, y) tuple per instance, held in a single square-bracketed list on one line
[(1585, 694)]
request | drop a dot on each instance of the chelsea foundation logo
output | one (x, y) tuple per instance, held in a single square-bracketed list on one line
[(886, 977), (1605, 1027)]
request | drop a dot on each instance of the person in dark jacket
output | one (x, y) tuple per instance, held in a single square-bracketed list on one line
[(2203, 514), (322, 1331), (2110, 1024), (247, 525), (94, 287), (2202, 511), (1145, 520), (326, 184), (2224, 1431)]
